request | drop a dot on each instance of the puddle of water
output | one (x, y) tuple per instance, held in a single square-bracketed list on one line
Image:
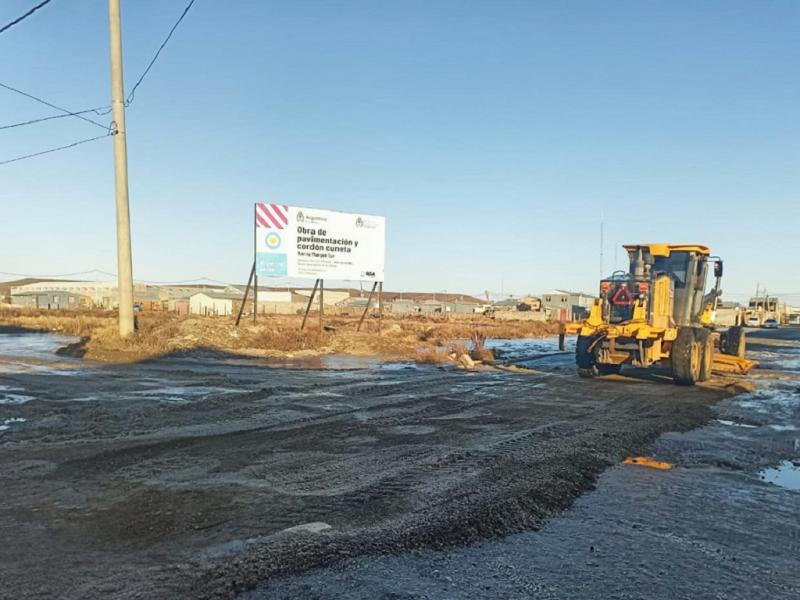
[(7, 423), (785, 475), (15, 398), (735, 424), (783, 427)]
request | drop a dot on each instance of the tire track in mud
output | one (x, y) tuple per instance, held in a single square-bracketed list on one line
[(513, 483), (134, 450)]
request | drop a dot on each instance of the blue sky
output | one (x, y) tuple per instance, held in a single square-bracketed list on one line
[(492, 135)]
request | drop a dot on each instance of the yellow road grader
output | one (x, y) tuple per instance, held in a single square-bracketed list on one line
[(658, 313)]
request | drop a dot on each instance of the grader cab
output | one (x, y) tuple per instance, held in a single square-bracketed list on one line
[(658, 313)]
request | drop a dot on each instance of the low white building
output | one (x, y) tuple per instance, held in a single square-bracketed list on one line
[(329, 297), (215, 303)]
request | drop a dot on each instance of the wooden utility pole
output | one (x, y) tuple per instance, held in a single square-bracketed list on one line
[(124, 261)]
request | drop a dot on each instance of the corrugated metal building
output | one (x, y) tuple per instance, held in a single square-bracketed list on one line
[(404, 307), (51, 300)]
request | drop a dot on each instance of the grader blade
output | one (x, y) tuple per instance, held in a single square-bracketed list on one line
[(726, 363)]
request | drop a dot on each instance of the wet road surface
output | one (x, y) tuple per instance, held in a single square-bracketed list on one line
[(202, 475), (725, 523)]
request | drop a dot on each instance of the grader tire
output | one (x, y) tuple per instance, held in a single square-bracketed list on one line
[(706, 342), (586, 360), (584, 357), (686, 357), (734, 342)]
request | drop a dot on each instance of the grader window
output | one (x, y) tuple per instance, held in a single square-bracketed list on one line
[(675, 265)]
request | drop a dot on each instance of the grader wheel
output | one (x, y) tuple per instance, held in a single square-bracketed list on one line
[(706, 342), (733, 342), (687, 357), (586, 359)]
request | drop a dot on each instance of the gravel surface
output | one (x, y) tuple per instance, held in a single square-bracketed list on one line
[(719, 525), (202, 475)]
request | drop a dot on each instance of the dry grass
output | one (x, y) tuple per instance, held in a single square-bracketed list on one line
[(425, 339)]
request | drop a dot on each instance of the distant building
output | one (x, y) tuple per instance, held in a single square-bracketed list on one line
[(329, 297), (215, 303), (565, 305), (404, 307), (148, 300), (556, 304), (51, 300), (101, 294), (176, 296), (282, 302)]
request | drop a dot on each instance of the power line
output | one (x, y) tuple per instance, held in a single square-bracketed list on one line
[(113, 275), (72, 145), (29, 276), (46, 103), (129, 99), (97, 111), (25, 16)]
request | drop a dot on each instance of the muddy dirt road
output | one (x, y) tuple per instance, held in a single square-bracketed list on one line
[(202, 475), (724, 523)]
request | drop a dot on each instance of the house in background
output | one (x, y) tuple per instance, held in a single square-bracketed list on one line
[(217, 303), (564, 305), (51, 300)]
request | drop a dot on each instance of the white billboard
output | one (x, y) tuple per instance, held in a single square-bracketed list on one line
[(312, 243)]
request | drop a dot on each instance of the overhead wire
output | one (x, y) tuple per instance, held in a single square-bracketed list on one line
[(29, 276), (66, 112), (49, 150), (111, 128), (114, 275), (132, 93), (51, 117), (23, 17)]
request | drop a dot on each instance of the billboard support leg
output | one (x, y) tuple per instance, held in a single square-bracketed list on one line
[(321, 292), (380, 306), (246, 294), (308, 306), (366, 308), (255, 296)]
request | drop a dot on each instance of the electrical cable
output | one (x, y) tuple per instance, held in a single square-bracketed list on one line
[(63, 110), (114, 275), (72, 145), (25, 16), (129, 99), (29, 276), (51, 117)]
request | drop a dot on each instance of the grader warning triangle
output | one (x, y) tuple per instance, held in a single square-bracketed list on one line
[(622, 297)]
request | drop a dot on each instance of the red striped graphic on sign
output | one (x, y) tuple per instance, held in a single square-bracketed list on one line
[(272, 216)]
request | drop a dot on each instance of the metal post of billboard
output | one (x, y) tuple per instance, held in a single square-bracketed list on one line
[(321, 293), (255, 261), (255, 297), (380, 306), (246, 293), (308, 306), (366, 308)]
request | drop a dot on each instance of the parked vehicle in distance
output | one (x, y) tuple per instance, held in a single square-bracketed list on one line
[(770, 324), (753, 322), (794, 320)]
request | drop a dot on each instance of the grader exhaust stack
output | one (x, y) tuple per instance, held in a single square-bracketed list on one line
[(658, 313)]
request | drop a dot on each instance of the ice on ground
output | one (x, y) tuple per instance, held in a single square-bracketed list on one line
[(6, 424), (735, 424), (15, 398)]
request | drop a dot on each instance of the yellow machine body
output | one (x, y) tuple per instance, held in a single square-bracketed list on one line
[(658, 313)]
